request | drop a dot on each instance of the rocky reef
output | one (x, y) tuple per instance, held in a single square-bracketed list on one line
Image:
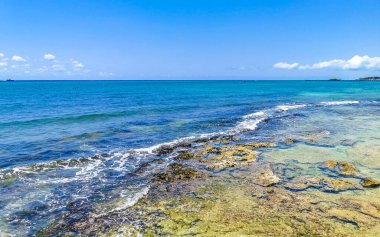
[(222, 187)]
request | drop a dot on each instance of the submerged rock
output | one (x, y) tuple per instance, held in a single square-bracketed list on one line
[(341, 167), (7, 180), (347, 142), (265, 177), (338, 185), (257, 145), (164, 150), (289, 141), (370, 183), (228, 156), (324, 184), (208, 150), (303, 182), (219, 158), (167, 149)]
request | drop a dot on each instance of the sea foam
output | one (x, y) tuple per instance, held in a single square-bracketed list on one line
[(344, 102)]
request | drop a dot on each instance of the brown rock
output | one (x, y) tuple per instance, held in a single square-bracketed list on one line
[(370, 183), (266, 177), (341, 167)]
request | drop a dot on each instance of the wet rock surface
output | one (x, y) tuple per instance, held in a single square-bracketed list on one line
[(178, 172), (220, 187), (324, 184), (370, 183), (341, 167)]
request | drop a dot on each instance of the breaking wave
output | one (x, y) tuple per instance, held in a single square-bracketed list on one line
[(346, 102), (248, 122)]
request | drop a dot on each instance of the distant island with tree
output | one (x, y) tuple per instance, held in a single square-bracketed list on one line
[(359, 79), (369, 79), (335, 79)]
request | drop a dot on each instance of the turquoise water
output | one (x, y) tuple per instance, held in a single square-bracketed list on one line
[(78, 143)]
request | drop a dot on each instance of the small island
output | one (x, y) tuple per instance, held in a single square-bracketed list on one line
[(335, 79), (369, 79)]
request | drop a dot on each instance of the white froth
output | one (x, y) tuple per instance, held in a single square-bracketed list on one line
[(153, 149), (344, 102), (130, 201), (253, 115), (247, 125), (288, 107)]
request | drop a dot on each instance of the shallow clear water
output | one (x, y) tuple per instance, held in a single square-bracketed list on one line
[(78, 143)]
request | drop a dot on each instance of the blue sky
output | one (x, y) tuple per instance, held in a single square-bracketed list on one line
[(189, 39)]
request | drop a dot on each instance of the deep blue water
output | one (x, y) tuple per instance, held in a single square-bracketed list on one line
[(46, 121)]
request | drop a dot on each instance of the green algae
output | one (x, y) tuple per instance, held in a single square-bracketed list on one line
[(238, 209), (177, 172), (206, 192), (341, 167)]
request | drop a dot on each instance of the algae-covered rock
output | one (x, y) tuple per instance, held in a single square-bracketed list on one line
[(164, 150), (208, 150), (266, 177), (185, 155), (167, 149), (228, 139), (257, 145), (370, 183), (146, 165), (221, 165), (323, 184), (301, 183), (338, 185), (177, 172), (228, 156), (341, 167)]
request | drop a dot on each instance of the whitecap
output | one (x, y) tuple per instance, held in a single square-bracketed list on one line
[(344, 102), (288, 107), (253, 115), (248, 125)]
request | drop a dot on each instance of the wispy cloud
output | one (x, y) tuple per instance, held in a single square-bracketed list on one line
[(77, 66), (283, 65), (17, 58), (49, 57), (355, 63), (50, 66)]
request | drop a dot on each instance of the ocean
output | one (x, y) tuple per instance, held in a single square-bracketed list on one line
[(65, 143)]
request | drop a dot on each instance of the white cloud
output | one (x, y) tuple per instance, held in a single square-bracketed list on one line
[(282, 65), (355, 63), (49, 56), (77, 66), (49, 65), (18, 59)]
